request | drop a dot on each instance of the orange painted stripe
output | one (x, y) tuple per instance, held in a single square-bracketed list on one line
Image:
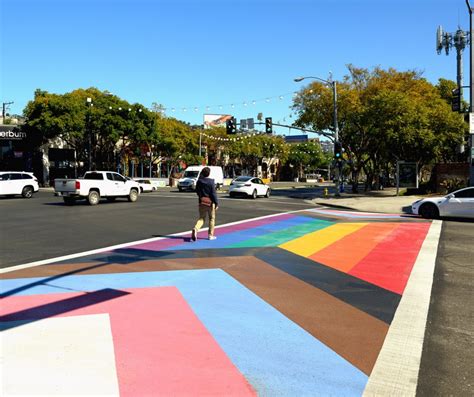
[(347, 252)]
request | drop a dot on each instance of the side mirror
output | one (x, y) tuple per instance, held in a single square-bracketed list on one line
[(450, 196)]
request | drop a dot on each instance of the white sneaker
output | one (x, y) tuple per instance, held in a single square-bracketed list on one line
[(212, 237)]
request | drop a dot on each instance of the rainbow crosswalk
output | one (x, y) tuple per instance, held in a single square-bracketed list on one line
[(292, 304)]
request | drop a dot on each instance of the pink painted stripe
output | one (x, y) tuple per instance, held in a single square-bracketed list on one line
[(390, 263), (178, 240), (161, 347)]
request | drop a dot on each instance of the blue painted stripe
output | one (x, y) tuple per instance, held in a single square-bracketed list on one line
[(274, 354), (225, 240)]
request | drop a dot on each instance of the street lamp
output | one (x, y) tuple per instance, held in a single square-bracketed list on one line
[(89, 132), (336, 125)]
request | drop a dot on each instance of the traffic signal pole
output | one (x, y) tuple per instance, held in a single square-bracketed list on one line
[(471, 97), (337, 172)]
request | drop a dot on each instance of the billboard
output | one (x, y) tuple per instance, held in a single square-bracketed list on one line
[(215, 120)]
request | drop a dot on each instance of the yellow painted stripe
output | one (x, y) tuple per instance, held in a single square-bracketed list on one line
[(316, 241)]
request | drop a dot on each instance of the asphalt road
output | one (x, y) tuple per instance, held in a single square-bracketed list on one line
[(447, 364), (43, 227)]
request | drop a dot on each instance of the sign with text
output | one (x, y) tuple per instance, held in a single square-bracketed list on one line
[(296, 138), (11, 133)]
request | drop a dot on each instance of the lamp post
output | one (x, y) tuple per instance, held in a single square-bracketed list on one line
[(336, 125), (89, 133), (151, 159)]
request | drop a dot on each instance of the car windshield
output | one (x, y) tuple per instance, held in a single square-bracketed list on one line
[(243, 178), (191, 174)]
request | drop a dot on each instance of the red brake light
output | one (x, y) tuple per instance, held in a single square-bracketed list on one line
[(78, 185)]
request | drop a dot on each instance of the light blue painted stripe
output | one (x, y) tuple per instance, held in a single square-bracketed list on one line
[(231, 238), (274, 354)]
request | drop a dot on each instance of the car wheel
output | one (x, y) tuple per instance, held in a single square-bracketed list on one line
[(133, 196), (429, 211), (254, 194), (267, 195), (68, 201), (27, 192), (93, 198), (231, 194), (180, 189)]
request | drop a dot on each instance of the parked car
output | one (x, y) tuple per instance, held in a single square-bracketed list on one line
[(457, 204), (145, 185), (248, 186), (191, 175), (94, 186), (15, 182)]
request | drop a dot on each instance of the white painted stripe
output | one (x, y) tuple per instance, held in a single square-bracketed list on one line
[(396, 370), (124, 245), (59, 357)]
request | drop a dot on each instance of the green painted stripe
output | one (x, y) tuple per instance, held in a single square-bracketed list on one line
[(282, 236)]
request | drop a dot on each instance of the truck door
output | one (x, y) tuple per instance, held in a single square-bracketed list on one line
[(121, 185), (112, 186)]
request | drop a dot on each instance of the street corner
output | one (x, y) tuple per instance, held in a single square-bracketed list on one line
[(301, 303)]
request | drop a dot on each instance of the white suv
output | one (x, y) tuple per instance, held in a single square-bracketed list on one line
[(15, 182)]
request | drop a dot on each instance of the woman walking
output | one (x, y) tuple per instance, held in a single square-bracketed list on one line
[(208, 203)]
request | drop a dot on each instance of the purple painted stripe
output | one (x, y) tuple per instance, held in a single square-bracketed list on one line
[(178, 240)]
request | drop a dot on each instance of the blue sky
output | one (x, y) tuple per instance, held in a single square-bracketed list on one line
[(206, 53)]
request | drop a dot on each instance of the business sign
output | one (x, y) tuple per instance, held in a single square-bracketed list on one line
[(296, 138), (215, 120), (407, 174), (11, 133)]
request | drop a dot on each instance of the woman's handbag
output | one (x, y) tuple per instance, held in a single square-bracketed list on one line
[(205, 201)]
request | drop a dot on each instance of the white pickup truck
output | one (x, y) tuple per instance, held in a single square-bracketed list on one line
[(94, 185)]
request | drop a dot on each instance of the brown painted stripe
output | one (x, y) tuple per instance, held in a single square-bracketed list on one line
[(352, 333)]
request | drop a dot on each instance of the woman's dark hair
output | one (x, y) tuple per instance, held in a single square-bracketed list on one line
[(206, 171)]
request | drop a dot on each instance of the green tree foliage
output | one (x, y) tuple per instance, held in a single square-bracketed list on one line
[(385, 115), (306, 158)]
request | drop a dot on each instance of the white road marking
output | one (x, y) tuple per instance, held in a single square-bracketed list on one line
[(59, 357), (396, 370), (124, 245)]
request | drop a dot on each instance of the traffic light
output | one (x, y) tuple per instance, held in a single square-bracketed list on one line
[(231, 126), (268, 125), (456, 100), (338, 150)]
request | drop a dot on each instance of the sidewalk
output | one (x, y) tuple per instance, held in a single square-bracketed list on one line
[(384, 201)]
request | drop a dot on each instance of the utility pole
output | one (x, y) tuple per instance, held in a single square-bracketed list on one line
[(460, 40), (471, 98), (4, 109)]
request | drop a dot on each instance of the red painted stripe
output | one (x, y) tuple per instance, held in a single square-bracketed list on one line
[(390, 263), (161, 347)]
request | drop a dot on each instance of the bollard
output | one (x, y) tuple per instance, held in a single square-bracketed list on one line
[(326, 192)]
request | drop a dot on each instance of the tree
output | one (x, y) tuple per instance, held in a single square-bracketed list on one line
[(107, 121), (384, 115), (306, 158)]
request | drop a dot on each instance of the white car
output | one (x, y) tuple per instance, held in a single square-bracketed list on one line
[(456, 204), (15, 182), (145, 185), (248, 186)]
